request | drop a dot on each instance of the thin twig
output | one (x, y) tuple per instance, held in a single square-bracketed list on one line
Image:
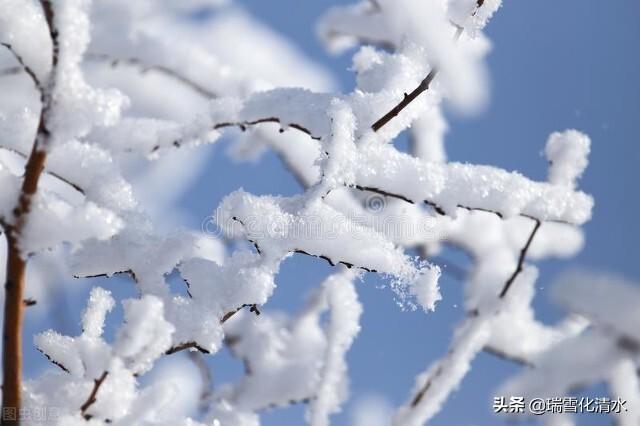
[(29, 302), (422, 87), (408, 98), (144, 67), (242, 125), (507, 357), (55, 175), (523, 255), (105, 275), (25, 67), (207, 380), (92, 396), (441, 211), (184, 346), (51, 360), (252, 308)]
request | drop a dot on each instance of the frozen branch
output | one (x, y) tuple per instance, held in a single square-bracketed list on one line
[(23, 67), (55, 175), (184, 346), (207, 379), (243, 125), (434, 385), (441, 211), (53, 361), (521, 258), (93, 396), (410, 97), (144, 68), (16, 263)]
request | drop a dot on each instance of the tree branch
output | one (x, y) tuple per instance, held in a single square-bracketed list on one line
[(16, 264), (144, 68), (23, 67), (242, 125), (523, 254), (55, 175), (252, 308), (441, 211), (54, 362), (408, 98), (193, 345), (184, 346), (207, 380), (505, 356), (92, 396)]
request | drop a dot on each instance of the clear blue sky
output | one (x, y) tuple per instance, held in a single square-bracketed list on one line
[(555, 65)]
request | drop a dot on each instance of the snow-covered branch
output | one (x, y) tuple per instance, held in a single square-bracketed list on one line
[(82, 163)]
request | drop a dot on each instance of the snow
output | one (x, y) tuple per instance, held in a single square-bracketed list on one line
[(281, 368), (454, 185), (343, 327), (605, 299), (280, 226), (79, 106), (343, 27), (425, 288), (624, 383), (99, 305), (146, 336), (141, 340), (371, 410), (444, 376), (73, 224), (601, 353), (28, 35), (428, 25), (568, 154), (139, 86), (10, 192)]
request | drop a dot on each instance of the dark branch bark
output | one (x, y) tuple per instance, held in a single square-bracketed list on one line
[(385, 193), (242, 125), (441, 211), (334, 262), (56, 363), (93, 396), (505, 356), (184, 346), (29, 302), (252, 308), (127, 272), (423, 390), (523, 255), (406, 100)]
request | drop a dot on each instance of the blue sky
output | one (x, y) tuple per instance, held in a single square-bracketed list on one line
[(554, 65)]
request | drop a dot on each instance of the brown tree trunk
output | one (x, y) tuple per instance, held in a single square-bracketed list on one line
[(12, 334), (14, 290)]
